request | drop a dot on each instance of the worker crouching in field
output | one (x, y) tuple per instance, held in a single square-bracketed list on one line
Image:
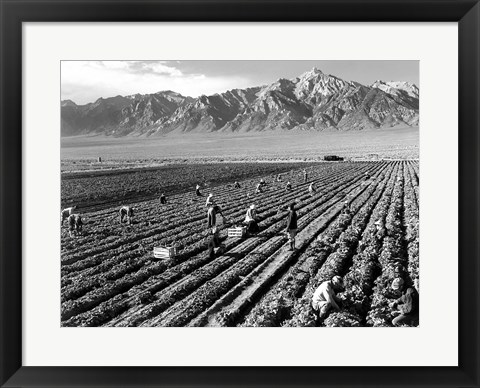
[(236, 185), (66, 213), (163, 199), (279, 177), (311, 189), (406, 306), (325, 297), (292, 226), (251, 220), (346, 209), (215, 246), (258, 190), (197, 191), (126, 215), (75, 224), (288, 187)]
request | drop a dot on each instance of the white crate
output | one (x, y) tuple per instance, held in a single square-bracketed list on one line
[(239, 231), (164, 252)]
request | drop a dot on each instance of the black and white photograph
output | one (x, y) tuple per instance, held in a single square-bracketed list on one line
[(239, 193)]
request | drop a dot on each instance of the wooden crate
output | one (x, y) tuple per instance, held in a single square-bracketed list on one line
[(164, 252), (238, 231)]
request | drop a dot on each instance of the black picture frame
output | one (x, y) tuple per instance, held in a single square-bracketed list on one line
[(15, 12)]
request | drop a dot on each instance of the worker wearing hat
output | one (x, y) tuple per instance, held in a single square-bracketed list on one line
[(66, 213), (407, 306), (325, 298), (251, 220)]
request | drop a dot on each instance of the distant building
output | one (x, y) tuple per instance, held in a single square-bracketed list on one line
[(333, 158)]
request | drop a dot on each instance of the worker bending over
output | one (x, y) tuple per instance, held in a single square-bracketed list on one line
[(236, 185), (288, 187), (212, 212), (75, 224), (279, 177), (197, 191), (311, 189), (126, 214), (163, 199), (258, 189), (251, 220), (324, 298), (66, 213)]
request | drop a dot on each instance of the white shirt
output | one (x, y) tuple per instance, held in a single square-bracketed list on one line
[(322, 293), (250, 215)]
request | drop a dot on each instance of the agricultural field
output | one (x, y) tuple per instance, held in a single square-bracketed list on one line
[(109, 276)]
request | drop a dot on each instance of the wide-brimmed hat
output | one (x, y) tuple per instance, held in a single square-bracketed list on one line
[(397, 283)]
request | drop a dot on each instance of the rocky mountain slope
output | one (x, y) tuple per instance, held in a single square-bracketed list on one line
[(312, 101)]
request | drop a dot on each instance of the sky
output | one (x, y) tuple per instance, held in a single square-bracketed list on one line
[(86, 81)]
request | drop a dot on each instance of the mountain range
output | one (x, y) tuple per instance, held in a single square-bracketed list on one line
[(314, 101)]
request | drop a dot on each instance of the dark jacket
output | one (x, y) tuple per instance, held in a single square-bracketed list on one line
[(292, 220), (408, 302)]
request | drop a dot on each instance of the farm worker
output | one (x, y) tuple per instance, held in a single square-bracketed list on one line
[(346, 207), (262, 182), (367, 175), (215, 247), (251, 220), (289, 186), (406, 306), (212, 212), (197, 191), (126, 214), (324, 297), (163, 199), (279, 177), (259, 188), (67, 212), (75, 224), (305, 176), (210, 201), (311, 189), (292, 226), (236, 185)]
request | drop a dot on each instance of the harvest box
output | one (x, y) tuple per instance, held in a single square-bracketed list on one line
[(238, 231), (164, 252)]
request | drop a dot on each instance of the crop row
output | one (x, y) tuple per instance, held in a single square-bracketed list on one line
[(275, 307), (128, 283)]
